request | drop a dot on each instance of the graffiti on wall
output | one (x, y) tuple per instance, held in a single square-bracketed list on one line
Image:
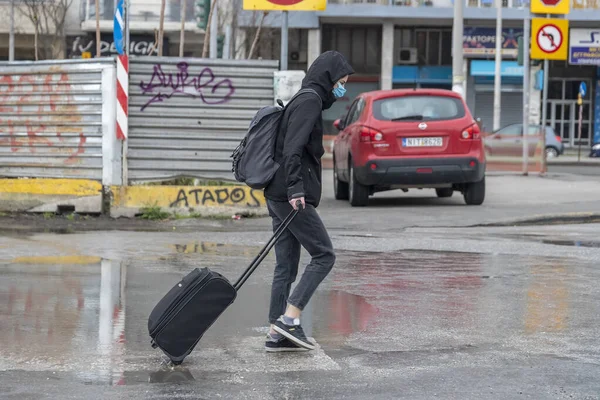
[(204, 86), (213, 196), (36, 111)]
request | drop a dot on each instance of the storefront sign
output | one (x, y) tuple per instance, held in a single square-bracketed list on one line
[(84, 46), (482, 41), (584, 47), (425, 74), (487, 68)]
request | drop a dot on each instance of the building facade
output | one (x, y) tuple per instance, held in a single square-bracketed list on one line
[(77, 32), (408, 43)]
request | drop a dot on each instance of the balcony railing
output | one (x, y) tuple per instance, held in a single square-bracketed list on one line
[(146, 11), (575, 4)]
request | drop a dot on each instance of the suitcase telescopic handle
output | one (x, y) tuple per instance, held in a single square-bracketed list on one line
[(265, 250)]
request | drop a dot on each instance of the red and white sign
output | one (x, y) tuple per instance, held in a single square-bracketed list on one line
[(551, 2), (549, 38), (550, 6), (122, 95)]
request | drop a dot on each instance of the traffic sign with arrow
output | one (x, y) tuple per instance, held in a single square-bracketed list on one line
[(549, 39)]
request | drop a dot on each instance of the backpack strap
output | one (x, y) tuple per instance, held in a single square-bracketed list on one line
[(307, 90)]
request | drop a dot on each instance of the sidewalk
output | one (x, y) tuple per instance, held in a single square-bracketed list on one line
[(570, 158)]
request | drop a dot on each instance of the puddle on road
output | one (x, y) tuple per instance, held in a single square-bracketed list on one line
[(88, 316), (213, 248), (575, 243), (538, 238)]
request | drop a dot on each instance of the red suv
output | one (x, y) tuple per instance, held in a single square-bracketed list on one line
[(408, 138)]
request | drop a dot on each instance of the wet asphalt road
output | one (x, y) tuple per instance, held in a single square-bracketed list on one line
[(422, 304), (451, 313)]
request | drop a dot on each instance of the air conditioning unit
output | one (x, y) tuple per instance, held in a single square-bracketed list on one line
[(298, 56), (407, 55)]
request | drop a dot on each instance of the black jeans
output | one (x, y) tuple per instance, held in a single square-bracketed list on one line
[(306, 230)]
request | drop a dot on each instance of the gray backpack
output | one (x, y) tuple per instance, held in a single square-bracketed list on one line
[(253, 159)]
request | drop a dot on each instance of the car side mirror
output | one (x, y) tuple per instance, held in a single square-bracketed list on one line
[(339, 125)]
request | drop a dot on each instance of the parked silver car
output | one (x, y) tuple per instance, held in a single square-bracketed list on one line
[(510, 138)]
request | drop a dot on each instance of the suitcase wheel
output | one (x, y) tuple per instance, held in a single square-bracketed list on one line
[(153, 344)]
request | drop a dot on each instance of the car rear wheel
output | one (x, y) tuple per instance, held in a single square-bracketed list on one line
[(358, 194), (340, 189), (551, 152), (444, 192), (474, 193)]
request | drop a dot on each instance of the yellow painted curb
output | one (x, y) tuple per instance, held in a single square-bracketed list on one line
[(79, 260), (73, 187), (186, 196)]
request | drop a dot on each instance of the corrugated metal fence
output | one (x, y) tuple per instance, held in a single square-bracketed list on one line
[(53, 117), (186, 116)]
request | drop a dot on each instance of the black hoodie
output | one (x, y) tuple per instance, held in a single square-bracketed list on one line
[(299, 146)]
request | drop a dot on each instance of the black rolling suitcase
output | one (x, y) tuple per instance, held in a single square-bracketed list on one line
[(181, 317)]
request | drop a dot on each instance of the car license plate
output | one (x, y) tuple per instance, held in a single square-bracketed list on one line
[(422, 142)]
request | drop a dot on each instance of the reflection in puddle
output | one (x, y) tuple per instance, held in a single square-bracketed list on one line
[(214, 248), (547, 299), (71, 316), (54, 316), (176, 374), (444, 284), (556, 242), (346, 313), (575, 243)]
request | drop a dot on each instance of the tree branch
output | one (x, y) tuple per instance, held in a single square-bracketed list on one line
[(257, 35)]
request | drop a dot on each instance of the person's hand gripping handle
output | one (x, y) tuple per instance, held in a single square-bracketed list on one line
[(298, 203)]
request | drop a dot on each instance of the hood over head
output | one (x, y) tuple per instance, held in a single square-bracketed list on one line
[(324, 72)]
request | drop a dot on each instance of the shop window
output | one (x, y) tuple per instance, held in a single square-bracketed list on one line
[(422, 47), (446, 48), (566, 111), (555, 89), (360, 45), (586, 112), (433, 48), (571, 90)]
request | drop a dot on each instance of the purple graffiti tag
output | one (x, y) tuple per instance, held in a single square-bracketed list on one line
[(164, 86)]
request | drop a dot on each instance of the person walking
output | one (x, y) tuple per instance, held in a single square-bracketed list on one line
[(297, 182)]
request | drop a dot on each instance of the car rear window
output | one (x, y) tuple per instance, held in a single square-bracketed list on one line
[(418, 108)]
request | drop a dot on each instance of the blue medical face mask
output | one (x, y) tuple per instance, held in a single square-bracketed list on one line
[(339, 91)]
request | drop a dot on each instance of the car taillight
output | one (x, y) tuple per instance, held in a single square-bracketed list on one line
[(471, 132), (370, 135), (559, 139)]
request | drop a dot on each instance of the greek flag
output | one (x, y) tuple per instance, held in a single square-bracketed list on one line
[(118, 28)]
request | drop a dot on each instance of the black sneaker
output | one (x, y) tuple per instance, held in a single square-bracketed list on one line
[(294, 333), (281, 345)]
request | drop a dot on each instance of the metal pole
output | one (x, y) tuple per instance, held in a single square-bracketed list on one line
[(284, 41), (182, 33), (526, 89), (458, 77), (214, 33), (545, 108), (11, 38), (127, 5), (498, 64), (161, 27), (227, 43), (545, 113), (580, 102), (97, 2)]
